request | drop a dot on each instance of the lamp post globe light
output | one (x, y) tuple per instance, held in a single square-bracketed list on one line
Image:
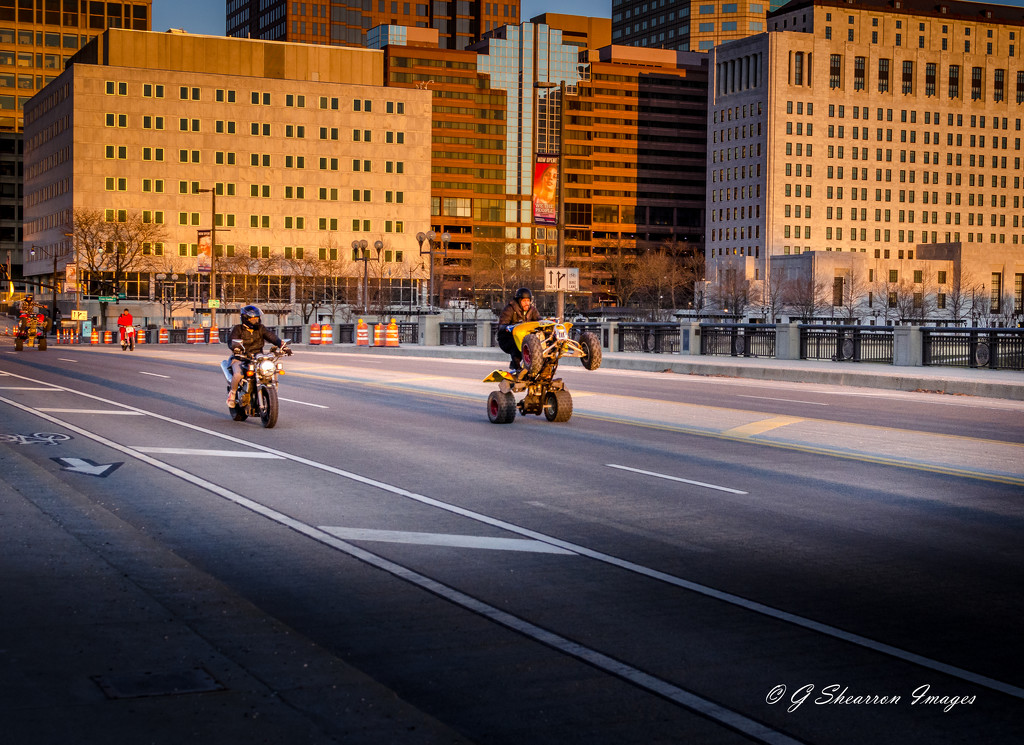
[(432, 239)]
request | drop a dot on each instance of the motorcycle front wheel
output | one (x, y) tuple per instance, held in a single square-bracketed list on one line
[(266, 397)]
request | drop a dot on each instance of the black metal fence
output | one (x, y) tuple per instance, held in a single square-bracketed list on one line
[(458, 334), (847, 343), (993, 348), (738, 339), (658, 338)]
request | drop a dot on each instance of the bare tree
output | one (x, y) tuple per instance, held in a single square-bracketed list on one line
[(731, 291), (853, 294), (807, 295), (111, 244), (962, 294)]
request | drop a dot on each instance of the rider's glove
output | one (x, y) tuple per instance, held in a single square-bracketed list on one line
[(288, 351), (236, 350)]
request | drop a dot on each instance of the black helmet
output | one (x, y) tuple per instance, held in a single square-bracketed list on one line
[(251, 311), (524, 292)]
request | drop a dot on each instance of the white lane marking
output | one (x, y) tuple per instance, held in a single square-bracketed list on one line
[(208, 453), (66, 359), (155, 375), (725, 597), (445, 539), (637, 677), (124, 412), (27, 388), (303, 403), (675, 478), (786, 400)]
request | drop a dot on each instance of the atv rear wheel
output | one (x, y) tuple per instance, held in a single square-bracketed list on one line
[(558, 406), (592, 350), (533, 355), (42, 344), (501, 407), (19, 343)]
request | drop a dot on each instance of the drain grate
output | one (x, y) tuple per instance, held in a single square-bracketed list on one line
[(138, 685)]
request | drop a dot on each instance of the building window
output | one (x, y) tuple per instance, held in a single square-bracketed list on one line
[(908, 77), (929, 79), (999, 85), (883, 75), (954, 81), (859, 77), (975, 83), (835, 72)]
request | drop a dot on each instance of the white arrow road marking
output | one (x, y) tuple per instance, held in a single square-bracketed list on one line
[(114, 412), (676, 478), (88, 467), (446, 539), (213, 453)]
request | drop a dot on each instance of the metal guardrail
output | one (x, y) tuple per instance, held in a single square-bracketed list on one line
[(409, 332), (458, 334), (738, 339), (847, 343), (993, 348), (658, 338)]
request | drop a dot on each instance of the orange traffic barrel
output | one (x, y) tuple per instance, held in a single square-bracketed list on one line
[(378, 334), (94, 338), (362, 334), (314, 333), (108, 337), (214, 333), (164, 337), (326, 334), (140, 335), (391, 335)]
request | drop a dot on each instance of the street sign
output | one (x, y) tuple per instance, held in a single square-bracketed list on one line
[(79, 315), (122, 296), (213, 303), (106, 298), (561, 278)]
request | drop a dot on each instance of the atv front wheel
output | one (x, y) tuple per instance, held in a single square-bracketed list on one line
[(591, 350), (533, 355), (501, 407), (42, 344), (558, 406), (19, 343)]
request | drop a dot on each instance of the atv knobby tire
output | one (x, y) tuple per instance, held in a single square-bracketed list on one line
[(533, 355), (501, 407), (19, 343), (592, 350), (558, 406), (42, 344)]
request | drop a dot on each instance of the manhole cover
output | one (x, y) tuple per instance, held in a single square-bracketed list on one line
[(138, 685)]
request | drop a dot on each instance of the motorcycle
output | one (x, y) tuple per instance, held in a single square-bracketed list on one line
[(257, 393), (128, 338), (542, 344), (31, 330)]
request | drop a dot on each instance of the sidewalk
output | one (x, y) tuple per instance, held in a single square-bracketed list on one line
[(951, 380)]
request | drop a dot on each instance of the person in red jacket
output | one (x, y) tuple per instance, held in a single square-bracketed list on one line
[(124, 322)]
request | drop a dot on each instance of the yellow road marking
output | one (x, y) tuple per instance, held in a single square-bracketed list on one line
[(762, 426)]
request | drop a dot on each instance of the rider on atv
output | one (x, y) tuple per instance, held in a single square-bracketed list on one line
[(519, 310)]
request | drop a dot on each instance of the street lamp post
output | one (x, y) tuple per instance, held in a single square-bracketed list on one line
[(411, 286), (360, 253), (213, 243), (431, 237)]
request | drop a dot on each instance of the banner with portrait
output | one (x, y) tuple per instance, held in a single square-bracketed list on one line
[(205, 254), (545, 190)]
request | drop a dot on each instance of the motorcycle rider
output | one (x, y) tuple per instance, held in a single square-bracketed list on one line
[(518, 310), (124, 322), (247, 338)]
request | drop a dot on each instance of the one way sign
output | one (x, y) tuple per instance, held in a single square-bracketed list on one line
[(562, 278), (88, 467)]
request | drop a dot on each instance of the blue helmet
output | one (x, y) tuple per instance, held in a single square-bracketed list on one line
[(251, 312)]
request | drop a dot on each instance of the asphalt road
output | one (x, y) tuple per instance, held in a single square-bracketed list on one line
[(688, 559)]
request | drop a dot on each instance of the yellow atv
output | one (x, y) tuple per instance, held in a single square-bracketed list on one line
[(543, 344)]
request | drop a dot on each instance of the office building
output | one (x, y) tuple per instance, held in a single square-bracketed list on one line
[(303, 147), (36, 40), (871, 129), (458, 23), (686, 25)]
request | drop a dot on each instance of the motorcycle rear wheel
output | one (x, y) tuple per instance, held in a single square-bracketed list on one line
[(558, 406), (266, 397)]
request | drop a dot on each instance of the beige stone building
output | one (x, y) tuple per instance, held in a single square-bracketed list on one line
[(872, 129), (303, 147)]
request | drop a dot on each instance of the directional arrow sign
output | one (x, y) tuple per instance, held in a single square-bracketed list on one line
[(88, 467)]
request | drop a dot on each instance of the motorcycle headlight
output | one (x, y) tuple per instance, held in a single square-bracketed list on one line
[(266, 367)]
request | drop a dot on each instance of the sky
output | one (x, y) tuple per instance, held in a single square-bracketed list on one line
[(206, 17)]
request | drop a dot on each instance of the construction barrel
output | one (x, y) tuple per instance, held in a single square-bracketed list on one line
[(214, 333), (326, 333), (314, 333), (94, 338), (378, 334), (108, 337), (362, 334), (391, 336), (163, 337)]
